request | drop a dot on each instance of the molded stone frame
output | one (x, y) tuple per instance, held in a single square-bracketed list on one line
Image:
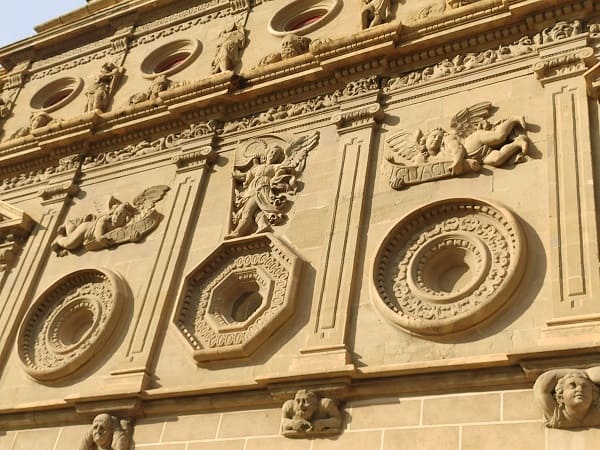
[(234, 300)]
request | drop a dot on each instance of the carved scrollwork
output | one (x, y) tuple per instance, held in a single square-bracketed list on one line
[(70, 322), (448, 265)]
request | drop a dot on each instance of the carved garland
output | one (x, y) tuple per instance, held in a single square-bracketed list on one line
[(71, 322), (448, 265)]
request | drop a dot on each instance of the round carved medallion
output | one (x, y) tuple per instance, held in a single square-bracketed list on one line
[(70, 322), (448, 265)]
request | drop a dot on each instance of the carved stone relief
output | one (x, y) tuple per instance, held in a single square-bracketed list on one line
[(123, 222), (15, 227), (37, 120), (108, 433), (159, 84), (238, 297), (414, 158), (448, 265), (374, 12), (569, 397), (470, 61), (291, 46), (308, 415), (100, 93), (70, 322), (232, 40), (266, 177)]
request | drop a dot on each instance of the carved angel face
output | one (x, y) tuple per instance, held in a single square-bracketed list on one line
[(305, 404), (433, 142), (102, 430)]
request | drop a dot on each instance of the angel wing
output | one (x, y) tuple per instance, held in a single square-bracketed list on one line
[(149, 197), (403, 146), (296, 152), (466, 120)]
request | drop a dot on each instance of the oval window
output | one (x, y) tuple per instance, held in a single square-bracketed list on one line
[(170, 58), (56, 94), (301, 16)]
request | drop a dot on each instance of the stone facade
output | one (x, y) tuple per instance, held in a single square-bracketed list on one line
[(301, 225)]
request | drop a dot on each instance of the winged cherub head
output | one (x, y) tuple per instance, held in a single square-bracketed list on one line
[(433, 141)]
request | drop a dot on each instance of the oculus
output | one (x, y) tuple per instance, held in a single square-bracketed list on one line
[(170, 58), (71, 322), (448, 265), (56, 94), (238, 297), (302, 16)]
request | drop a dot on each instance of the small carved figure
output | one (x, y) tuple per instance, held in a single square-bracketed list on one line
[(123, 222), (569, 397), (291, 46), (159, 84), (307, 415), (107, 433), (98, 96), (473, 142), (37, 119), (232, 40), (268, 177), (560, 30), (374, 12)]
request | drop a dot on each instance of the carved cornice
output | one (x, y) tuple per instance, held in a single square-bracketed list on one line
[(15, 227), (366, 116), (195, 159)]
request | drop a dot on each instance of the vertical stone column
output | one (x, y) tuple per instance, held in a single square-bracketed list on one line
[(193, 164), (573, 223), (21, 281), (335, 286)]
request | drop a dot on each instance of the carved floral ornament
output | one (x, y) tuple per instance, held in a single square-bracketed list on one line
[(71, 322), (448, 266), (238, 297)]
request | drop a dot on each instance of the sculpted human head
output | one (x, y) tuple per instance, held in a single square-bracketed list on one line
[(574, 393), (433, 141), (102, 431), (305, 404), (293, 45)]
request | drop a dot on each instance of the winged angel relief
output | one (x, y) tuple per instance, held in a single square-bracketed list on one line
[(123, 222), (473, 142), (266, 176)]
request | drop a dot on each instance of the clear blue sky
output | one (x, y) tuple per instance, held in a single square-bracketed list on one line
[(20, 16)]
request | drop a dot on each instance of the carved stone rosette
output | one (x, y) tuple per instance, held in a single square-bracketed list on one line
[(448, 265), (238, 297), (71, 322)]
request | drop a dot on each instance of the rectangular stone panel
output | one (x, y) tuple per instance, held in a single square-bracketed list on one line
[(461, 409), (190, 428), (252, 423), (430, 438), (388, 415), (519, 436)]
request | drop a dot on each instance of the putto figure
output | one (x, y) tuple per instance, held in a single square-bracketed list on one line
[(374, 12), (308, 415), (569, 397), (231, 42), (108, 433), (98, 96), (123, 222), (266, 176), (473, 142)]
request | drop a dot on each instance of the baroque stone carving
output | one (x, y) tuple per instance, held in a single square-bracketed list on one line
[(15, 227), (474, 142), (70, 322), (470, 61), (231, 42), (238, 297), (291, 46), (266, 176), (307, 415), (569, 397), (159, 84), (123, 222), (448, 265), (108, 433), (374, 12), (37, 119), (99, 94)]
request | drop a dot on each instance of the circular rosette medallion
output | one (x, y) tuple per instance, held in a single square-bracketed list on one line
[(448, 265), (70, 322)]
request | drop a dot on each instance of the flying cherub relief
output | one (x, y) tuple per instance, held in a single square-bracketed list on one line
[(473, 142), (122, 222), (266, 177)]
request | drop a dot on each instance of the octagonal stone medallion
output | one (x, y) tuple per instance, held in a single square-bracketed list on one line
[(237, 297)]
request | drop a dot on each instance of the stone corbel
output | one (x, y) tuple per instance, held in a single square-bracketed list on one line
[(15, 227), (366, 116), (564, 65), (62, 184), (195, 159)]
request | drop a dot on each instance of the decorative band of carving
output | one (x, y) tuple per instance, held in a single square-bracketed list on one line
[(70, 322), (448, 265)]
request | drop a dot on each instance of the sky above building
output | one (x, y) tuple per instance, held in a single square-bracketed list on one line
[(19, 17)]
